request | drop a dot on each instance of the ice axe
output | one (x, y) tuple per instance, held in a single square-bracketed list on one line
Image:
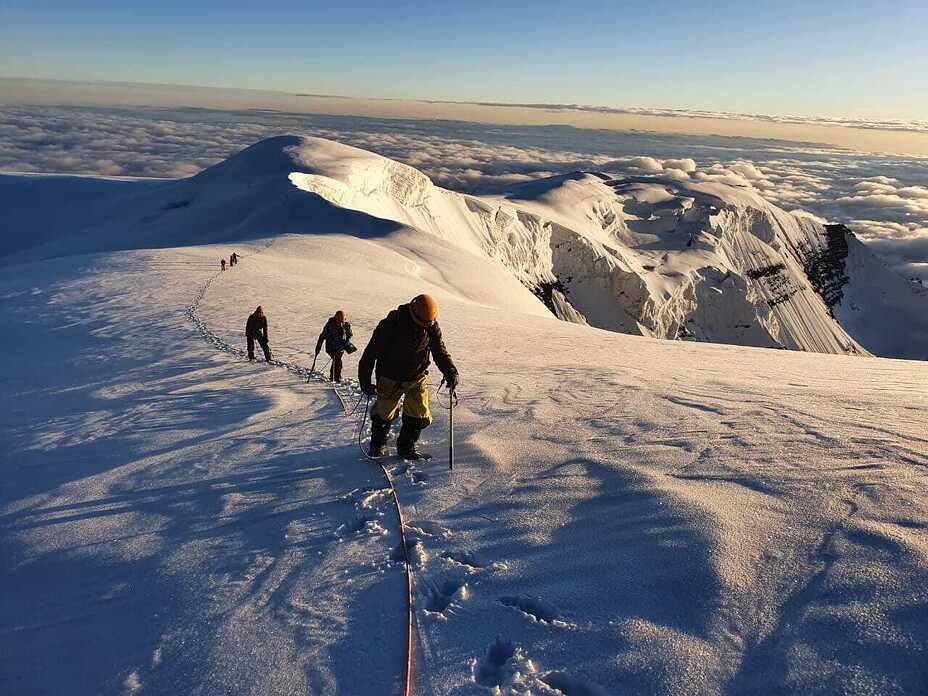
[(452, 397), (451, 429), (312, 370)]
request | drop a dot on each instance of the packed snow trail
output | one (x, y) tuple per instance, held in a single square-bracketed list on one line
[(310, 375), (168, 524)]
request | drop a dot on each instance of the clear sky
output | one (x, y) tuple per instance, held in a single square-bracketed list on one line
[(849, 58)]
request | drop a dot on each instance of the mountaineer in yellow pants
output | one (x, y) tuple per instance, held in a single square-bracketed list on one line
[(399, 350)]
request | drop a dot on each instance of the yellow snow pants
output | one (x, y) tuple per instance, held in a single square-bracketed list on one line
[(415, 396)]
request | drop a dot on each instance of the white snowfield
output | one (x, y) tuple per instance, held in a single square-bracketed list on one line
[(626, 515)]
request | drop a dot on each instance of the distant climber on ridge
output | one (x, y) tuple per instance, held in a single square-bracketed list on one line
[(336, 334), (222, 264), (233, 259), (400, 348), (256, 330)]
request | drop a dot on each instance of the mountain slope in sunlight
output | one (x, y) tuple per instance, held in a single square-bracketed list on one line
[(660, 256)]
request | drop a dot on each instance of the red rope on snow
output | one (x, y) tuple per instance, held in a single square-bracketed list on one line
[(407, 690), (409, 613)]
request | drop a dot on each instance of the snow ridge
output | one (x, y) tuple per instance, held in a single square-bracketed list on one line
[(660, 256)]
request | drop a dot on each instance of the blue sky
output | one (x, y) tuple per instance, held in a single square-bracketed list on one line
[(851, 58)]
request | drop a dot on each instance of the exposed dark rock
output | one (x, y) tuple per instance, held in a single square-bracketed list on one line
[(777, 281), (824, 266), (766, 271), (784, 292), (544, 291)]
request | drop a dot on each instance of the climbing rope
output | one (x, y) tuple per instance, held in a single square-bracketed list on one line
[(341, 399), (193, 315), (403, 540)]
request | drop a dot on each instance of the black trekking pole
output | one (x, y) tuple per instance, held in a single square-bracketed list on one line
[(313, 368)]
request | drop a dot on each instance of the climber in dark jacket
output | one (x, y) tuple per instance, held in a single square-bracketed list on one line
[(399, 350), (336, 334), (256, 330)]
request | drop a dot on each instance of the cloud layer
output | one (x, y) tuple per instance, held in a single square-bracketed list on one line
[(914, 126), (883, 198)]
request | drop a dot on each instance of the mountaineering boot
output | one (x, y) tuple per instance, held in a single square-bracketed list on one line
[(380, 429), (335, 372), (413, 454), (409, 435)]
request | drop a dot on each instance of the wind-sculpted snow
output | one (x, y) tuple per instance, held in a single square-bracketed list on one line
[(162, 516), (371, 178)]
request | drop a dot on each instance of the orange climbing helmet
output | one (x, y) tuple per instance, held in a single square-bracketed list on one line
[(424, 309)]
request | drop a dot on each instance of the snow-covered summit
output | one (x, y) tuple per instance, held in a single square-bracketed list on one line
[(309, 162), (663, 256)]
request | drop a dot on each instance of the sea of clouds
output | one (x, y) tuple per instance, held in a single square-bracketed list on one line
[(883, 198), (908, 126)]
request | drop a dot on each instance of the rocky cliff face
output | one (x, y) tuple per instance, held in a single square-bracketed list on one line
[(824, 263)]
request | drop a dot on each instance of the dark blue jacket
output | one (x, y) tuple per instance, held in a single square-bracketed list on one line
[(336, 337)]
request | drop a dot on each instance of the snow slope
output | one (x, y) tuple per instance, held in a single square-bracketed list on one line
[(626, 514), (664, 256)]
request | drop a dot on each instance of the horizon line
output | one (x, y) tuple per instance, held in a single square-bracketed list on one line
[(872, 124)]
